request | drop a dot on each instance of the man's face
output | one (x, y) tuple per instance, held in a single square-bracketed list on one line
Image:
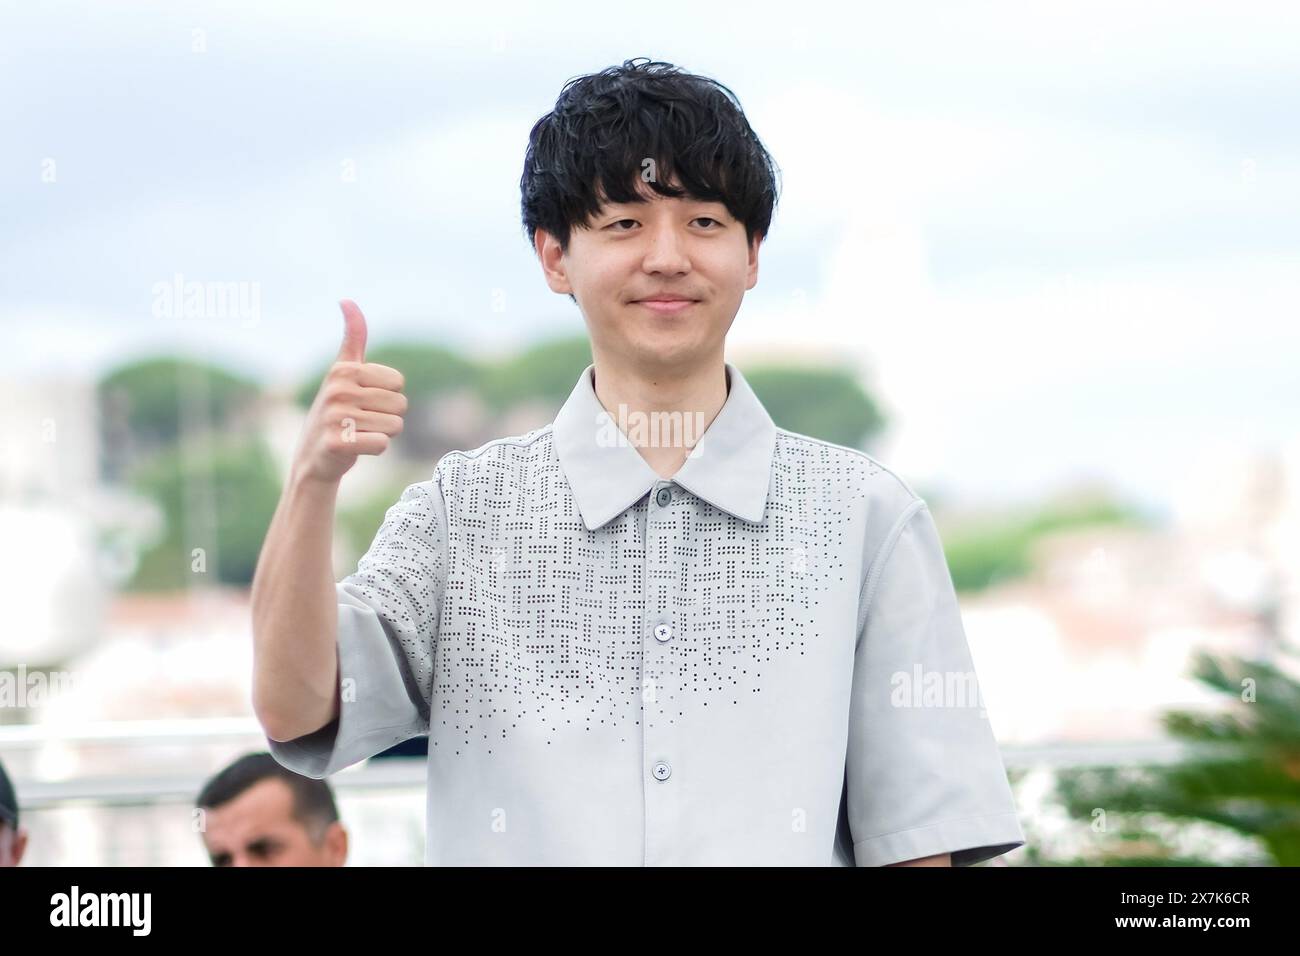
[(634, 251), (12, 844), (257, 828)]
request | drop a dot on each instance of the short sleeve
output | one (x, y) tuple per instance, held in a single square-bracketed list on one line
[(388, 612), (923, 773)]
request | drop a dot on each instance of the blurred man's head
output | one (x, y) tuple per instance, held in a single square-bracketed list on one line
[(259, 813), (13, 839)]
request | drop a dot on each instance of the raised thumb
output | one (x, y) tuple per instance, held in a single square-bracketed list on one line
[(354, 333)]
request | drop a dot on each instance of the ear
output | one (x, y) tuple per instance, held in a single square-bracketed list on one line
[(552, 260), (336, 844), (751, 279)]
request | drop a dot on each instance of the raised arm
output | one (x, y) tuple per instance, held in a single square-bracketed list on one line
[(294, 602)]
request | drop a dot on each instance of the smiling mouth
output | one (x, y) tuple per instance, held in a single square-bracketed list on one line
[(667, 306)]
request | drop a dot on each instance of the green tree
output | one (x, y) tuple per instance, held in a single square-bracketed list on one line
[(982, 552), (826, 403), (544, 372), (244, 488), (146, 405), (1242, 775)]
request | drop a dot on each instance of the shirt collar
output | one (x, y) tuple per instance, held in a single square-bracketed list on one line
[(730, 466)]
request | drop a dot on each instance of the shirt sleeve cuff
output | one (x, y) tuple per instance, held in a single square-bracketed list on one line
[(969, 839), (376, 705)]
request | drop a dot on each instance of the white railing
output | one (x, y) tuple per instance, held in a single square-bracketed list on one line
[(388, 773)]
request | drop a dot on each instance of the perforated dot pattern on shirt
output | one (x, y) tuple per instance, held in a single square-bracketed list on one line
[(541, 624)]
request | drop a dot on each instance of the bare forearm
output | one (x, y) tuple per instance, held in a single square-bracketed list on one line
[(295, 614)]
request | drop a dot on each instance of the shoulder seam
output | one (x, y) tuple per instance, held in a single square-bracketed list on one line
[(497, 442), (857, 451), (878, 563)]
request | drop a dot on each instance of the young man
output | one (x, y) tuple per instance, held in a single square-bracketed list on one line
[(258, 813), (626, 650)]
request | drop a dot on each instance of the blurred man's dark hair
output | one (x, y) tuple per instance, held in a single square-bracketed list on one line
[(311, 806)]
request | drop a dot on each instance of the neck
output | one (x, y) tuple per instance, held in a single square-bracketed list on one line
[(662, 413)]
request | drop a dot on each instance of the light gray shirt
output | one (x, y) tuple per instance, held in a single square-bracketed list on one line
[(758, 661)]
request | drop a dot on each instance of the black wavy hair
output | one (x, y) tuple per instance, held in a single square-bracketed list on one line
[(591, 149)]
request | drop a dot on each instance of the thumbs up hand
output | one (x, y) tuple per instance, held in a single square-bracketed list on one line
[(358, 407)]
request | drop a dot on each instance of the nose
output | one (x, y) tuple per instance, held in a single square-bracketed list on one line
[(666, 253)]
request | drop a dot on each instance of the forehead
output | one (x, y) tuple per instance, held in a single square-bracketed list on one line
[(264, 808)]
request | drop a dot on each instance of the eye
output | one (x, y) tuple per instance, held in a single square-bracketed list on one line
[(709, 219)]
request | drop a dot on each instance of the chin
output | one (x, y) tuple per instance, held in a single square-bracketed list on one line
[(667, 350)]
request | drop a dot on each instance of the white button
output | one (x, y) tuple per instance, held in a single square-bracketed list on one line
[(663, 632), (662, 771)]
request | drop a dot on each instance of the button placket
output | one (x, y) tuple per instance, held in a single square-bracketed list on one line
[(660, 665)]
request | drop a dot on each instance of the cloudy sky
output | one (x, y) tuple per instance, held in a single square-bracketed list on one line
[(1060, 240)]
